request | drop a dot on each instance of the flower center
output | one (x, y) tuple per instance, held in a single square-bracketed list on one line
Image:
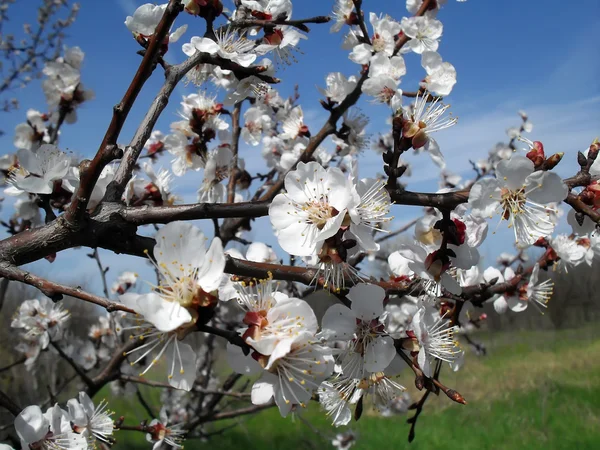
[(187, 293), (512, 202), (378, 43), (386, 94), (319, 212)]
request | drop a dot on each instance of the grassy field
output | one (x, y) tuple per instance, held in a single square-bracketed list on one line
[(533, 390)]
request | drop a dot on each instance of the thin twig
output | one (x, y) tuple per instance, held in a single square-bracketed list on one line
[(84, 376)]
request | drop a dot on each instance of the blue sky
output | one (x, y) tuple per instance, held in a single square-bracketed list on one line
[(540, 56)]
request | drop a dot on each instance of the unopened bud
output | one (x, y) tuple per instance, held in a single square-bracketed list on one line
[(593, 151), (119, 422), (304, 131), (553, 161), (419, 382), (536, 154), (455, 396)]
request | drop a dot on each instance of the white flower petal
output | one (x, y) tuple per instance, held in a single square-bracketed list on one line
[(181, 364), (379, 354), (367, 301), (338, 323)]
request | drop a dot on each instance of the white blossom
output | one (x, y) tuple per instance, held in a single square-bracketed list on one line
[(521, 196)]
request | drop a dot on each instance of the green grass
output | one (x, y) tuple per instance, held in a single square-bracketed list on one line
[(533, 390)]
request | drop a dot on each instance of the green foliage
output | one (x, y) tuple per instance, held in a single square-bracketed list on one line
[(542, 395)]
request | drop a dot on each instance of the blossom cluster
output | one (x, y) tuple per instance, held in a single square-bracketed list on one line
[(80, 426)]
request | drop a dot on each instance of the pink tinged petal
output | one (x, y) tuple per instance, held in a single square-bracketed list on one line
[(545, 187), (31, 425), (514, 171), (181, 364), (379, 354), (500, 305), (240, 363), (263, 389), (515, 304), (165, 316), (367, 301), (338, 323), (214, 265)]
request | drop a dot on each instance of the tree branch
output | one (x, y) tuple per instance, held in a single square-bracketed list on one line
[(235, 145), (9, 404), (84, 376), (55, 291), (299, 23), (144, 215), (108, 149), (174, 74)]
